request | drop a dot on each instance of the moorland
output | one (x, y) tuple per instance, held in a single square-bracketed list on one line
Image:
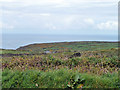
[(85, 64)]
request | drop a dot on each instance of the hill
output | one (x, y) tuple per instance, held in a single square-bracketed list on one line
[(61, 65)]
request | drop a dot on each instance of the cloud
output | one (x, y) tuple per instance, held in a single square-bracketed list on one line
[(109, 25), (5, 26), (24, 14), (0, 24), (69, 20), (60, 6), (59, 15), (89, 21), (59, 3), (45, 14), (36, 2), (50, 26), (7, 0)]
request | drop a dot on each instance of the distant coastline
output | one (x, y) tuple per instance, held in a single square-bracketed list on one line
[(60, 42), (14, 41)]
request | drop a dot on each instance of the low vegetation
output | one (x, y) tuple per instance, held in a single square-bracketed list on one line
[(62, 65)]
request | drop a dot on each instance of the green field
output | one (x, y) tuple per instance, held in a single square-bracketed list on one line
[(61, 65)]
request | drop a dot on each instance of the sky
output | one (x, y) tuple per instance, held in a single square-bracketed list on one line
[(59, 17)]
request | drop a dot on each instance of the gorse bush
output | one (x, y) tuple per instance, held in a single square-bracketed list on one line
[(81, 64)]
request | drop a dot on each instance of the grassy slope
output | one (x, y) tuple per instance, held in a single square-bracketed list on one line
[(94, 54), (55, 79)]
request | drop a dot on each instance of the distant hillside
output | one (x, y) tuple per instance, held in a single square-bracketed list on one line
[(83, 45)]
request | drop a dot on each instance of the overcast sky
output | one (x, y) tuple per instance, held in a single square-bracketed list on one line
[(86, 17)]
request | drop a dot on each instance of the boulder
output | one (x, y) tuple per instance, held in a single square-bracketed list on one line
[(76, 55), (47, 52)]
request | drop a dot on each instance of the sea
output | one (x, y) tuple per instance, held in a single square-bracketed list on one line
[(14, 41)]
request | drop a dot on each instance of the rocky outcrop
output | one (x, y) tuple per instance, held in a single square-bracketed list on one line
[(75, 55)]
